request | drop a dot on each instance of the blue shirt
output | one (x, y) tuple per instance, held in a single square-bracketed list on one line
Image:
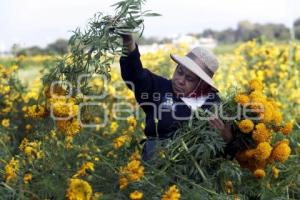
[(156, 97)]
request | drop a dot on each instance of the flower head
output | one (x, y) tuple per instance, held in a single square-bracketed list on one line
[(259, 173), (136, 195), (79, 190), (288, 127), (171, 194), (281, 151), (242, 99), (261, 133), (256, 84), (246, 125), (263, 151)]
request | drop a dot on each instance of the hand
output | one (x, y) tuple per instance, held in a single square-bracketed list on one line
[(215, 122), (128, 42)]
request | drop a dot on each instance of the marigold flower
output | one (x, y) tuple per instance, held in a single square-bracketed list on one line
[(31, 149), (68, 127), (263, 151), (136, 195), (5, 123), (64, 107), (242, 99), (256, 84), (261, 133), (113, 127), (275, 172), (281, 151), (120, 141), (79, 190), (288, 127), (35, 111), (257, 95), (267, 114), (171, 194), (249, 153), (123, 182), (131, 121), (259, 173), (11, 170), (246, 125), (27, 177), (133, 171), (84, 168), (277, 117)]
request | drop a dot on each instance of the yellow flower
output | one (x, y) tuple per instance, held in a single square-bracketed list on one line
[(228, 187), (281, 151), (135, 155), (143, 126), (246, 126), (31, 149), (257, 95), (36, 111), (27, 177), (131, 122), (256, 84), (123, 182), (28, 127), (242, 99), (288, 127), (133, 171), (5, 123), (119, 141), (267, 114), (68, 127), (136, 195), (261, 133), (277, 117), (11, 170), (64, 107), (113, 127), (275, 172), (259, 173), (84, 168), (263, 151), (171, 194), (79, 190)]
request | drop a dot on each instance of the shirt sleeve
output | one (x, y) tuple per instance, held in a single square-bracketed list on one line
[(137, 78)]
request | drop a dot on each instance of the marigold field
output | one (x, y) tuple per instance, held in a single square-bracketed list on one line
[(46, 152)]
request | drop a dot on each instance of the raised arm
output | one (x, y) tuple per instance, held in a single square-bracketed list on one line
[(132, 70)]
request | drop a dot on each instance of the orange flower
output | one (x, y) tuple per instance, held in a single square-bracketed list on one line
[(281, 151)]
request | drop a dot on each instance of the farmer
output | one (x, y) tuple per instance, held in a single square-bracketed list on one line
[(170, 101)]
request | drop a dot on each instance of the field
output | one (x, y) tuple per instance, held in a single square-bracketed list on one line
[(54, 146)]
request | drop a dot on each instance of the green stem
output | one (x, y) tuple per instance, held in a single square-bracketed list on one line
[(194, 161), (196, 185)]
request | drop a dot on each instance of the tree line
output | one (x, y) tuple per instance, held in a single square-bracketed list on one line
[(245, 31)]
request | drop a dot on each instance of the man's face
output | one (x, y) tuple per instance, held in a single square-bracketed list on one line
[(184, 81)]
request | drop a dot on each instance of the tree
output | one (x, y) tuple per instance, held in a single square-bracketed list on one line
[(60, 46), (297, 22), (297, 28)]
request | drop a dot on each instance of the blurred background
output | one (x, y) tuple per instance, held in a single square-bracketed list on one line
[(30, 27)]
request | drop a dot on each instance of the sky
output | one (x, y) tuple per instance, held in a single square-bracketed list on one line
[(40, 22)]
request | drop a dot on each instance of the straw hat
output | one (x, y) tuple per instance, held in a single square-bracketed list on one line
[(201, 62)]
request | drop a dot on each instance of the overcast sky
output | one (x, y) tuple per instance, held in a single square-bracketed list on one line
[(39, 22)]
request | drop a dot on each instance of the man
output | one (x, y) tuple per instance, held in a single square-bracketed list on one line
[(165, 102)]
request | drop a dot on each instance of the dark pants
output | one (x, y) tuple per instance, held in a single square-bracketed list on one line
[(151, 147)]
